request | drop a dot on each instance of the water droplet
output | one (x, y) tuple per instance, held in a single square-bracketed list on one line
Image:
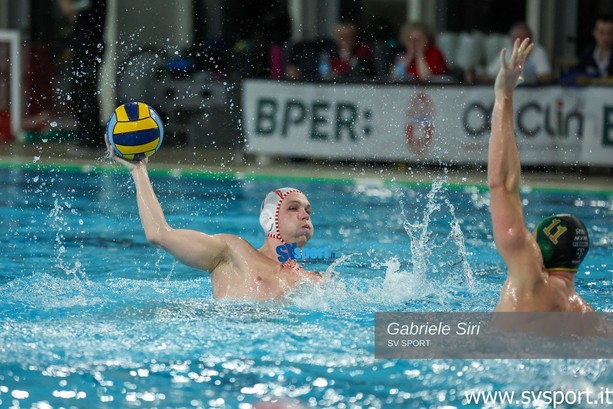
[(53, 124)]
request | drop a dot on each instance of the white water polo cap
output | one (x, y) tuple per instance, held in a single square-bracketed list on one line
[(269, 212)]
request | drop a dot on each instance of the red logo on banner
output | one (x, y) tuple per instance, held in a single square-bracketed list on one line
[(420, 124)]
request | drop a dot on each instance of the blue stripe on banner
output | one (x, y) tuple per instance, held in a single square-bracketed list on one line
[(136, 138), (132, 110)]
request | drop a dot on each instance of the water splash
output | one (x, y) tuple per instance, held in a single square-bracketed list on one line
[(340, 293), (331, 270), (401, 286), (437, 276), (437, 256), (59, 223)]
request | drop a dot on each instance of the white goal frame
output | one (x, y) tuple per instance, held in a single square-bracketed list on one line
[(13, 38)]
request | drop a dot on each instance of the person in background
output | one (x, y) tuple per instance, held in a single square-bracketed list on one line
[(421, 58), (597, 60), (87, 51), (536, 70), (344, 58), (351, 58)]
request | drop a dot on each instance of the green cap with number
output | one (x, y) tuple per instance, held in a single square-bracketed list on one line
[(564, 242)]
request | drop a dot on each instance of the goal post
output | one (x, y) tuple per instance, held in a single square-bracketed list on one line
[(10, 77)]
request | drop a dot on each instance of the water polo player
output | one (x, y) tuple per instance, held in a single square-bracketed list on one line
[(564, 241), (238, 270), (541, 266)]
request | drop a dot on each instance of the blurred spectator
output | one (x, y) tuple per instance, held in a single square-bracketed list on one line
[(596, 61), (351, 57), (537, 69), (421, 58), (345, 58)]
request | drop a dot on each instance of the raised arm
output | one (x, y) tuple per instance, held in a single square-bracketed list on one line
[(503, 170), (191, 247)]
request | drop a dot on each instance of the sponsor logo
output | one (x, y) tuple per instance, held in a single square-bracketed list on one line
[(532, 118), (325, 121), (420, 124)]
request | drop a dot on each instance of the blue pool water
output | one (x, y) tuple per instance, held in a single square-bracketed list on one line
[(92, 316)]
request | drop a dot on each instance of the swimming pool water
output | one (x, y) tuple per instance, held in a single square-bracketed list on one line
[(93, 316)]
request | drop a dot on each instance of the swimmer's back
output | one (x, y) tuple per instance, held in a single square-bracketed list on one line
[(551, 293)]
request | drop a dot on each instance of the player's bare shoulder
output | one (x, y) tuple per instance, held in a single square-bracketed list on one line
[(237, 248)]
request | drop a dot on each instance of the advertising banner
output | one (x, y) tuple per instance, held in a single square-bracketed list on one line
[(428, 124)]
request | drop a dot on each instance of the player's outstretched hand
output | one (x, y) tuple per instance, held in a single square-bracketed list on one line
[(510, 71), (130, 165)]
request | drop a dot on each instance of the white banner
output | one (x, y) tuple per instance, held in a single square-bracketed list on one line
[(429, 124), (598, 137)]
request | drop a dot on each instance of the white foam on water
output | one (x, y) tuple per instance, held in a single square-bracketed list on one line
[(437, 256), (437, 271)]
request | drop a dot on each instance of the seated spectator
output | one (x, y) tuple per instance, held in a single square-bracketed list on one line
[(350, 58), (596, 61), (536, 70), (421, 59), (344, 58)]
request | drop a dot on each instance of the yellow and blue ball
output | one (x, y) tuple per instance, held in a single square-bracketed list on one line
[(135, 131)]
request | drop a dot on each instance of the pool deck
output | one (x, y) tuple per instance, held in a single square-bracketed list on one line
[(233, 161)]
